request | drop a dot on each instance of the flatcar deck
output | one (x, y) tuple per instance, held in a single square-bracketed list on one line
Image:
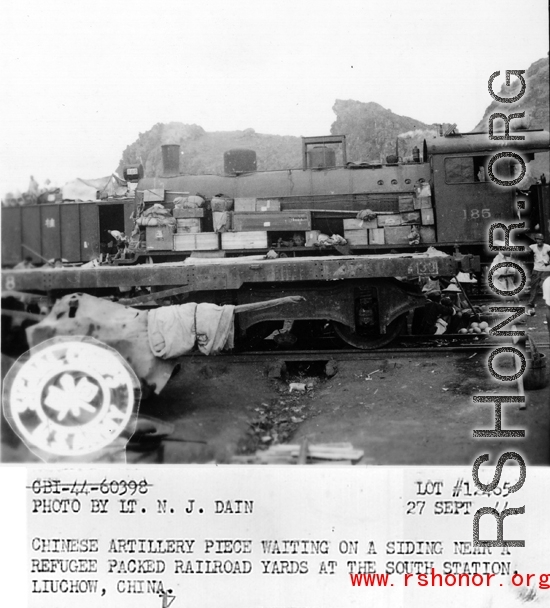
[(228, 274)]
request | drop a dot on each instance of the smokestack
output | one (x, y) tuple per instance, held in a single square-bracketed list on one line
[(170, 160)]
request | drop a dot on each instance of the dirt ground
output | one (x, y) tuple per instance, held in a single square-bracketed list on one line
[(406, 410)]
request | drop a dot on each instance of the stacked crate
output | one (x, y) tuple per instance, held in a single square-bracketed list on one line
[(189, 235), (254, 218), (423, 203), (359, 232), (188, 220), (159, 238), (394, 228)]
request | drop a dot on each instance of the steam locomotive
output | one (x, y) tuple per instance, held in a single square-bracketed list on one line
[(442, 196)]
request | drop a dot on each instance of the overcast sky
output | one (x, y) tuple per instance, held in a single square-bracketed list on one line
[(81, 80)]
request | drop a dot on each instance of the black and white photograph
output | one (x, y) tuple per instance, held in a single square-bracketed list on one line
[(278, 233)]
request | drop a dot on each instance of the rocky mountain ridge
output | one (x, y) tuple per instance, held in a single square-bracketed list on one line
[(372, 133), (535, 103)]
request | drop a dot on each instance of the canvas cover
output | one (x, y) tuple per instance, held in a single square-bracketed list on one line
[(93, 189)]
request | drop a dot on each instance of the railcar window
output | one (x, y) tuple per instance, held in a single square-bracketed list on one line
[(459, 170), (465, 169)]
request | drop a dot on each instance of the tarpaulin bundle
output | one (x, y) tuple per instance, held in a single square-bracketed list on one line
[(151, 220), (157, 215), (147, 339), (367, 215), (175, 330), (189, 202)]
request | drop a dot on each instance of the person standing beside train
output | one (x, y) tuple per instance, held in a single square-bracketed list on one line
[(546, 297), (541, 268)]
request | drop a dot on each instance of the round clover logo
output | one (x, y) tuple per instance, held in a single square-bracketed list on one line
[(70, 396)]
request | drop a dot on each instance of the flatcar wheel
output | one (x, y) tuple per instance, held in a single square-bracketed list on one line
[(369, 340)]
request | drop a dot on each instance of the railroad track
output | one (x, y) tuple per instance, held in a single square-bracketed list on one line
[(409, 347)]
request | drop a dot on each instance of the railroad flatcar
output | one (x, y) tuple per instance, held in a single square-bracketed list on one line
[(365, 288)]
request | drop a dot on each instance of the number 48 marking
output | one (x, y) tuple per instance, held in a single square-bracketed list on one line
[(476, 214)]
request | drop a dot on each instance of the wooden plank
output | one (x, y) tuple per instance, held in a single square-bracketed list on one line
[(274, 222), (196, 241), (244, 240)]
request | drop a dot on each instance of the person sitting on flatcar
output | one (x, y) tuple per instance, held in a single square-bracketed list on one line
[(26, 263)]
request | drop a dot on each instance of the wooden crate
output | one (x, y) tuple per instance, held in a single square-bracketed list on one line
[(202, 241), (389, 219), (244, 240), (428, 218), (266, 205), (423, 202), (357, 237), (159, 237), (245, 205), (397, 235), (284, 221), (376, 236), (410, 217), (406, 203), (355, 224), (180, 213), (427, 234), (193, 224)]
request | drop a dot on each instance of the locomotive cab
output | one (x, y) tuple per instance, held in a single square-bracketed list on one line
[(468, 201)]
